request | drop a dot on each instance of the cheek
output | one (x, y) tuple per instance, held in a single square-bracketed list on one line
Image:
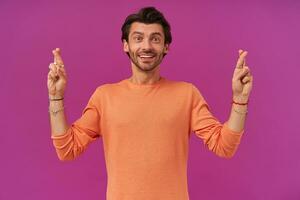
[(133, 49), (160, 49)]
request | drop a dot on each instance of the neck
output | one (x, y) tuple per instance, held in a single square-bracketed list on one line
[(142, 77), (145, 79)]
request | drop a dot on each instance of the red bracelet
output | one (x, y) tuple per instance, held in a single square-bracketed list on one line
[(62, 98), (239, 103)]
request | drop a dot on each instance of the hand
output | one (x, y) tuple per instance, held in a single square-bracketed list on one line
[(57, 77), (242, 79)]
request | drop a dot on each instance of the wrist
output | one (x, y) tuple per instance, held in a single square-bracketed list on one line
[(56, 97), (240, 110), (240, 107), (240, 100)]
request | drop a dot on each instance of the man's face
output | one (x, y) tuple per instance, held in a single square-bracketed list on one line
[(145, 45)]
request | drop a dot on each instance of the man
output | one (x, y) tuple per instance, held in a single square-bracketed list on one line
[(145, 120)]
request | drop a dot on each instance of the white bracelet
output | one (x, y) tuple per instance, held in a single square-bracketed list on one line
[(240, 112), (54, 112)]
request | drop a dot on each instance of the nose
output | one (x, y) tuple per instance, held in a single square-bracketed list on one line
[(146, 44)]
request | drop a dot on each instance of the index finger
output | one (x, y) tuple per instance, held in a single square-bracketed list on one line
[(242, 59), (57, 57)]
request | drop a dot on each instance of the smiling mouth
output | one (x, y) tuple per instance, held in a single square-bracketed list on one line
[(146, 57)]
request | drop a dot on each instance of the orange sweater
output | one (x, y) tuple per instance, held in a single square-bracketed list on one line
[(145, 130)]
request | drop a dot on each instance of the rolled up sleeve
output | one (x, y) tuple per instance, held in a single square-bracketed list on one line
[(216, 136), (81, 133)]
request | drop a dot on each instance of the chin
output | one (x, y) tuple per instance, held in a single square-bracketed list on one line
[(146, 68)]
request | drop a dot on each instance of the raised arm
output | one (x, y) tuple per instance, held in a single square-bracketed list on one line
[(242, 81), (57, 81), (69, 140)]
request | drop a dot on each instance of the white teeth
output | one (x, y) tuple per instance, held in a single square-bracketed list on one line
[(146, 56)]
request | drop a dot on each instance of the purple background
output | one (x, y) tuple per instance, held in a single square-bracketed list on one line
[(207, 36)]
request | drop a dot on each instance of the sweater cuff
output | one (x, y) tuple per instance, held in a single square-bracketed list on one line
[(231, 138), (63, 136)]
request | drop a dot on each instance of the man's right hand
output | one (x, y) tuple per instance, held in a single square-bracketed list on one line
[(57, 77)]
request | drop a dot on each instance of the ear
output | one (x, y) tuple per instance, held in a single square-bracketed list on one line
[(125, 46), (166, 48)]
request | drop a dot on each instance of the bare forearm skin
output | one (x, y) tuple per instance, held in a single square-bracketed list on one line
[(237, 120), (58, 121)]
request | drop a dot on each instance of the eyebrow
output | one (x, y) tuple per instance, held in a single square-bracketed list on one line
[(140, 33)]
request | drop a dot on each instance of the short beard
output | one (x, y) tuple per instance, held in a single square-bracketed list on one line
[(132, 57)]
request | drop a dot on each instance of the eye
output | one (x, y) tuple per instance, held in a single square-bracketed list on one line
[(156, 39), (138, 38)]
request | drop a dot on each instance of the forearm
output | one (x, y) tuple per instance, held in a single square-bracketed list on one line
[(58, 120), (237, 117)]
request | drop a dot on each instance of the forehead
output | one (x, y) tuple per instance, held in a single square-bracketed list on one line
[(145, 28)]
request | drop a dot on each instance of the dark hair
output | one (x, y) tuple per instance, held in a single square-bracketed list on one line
[(147, 15)]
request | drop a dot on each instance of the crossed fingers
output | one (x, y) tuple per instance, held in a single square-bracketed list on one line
[(57, 67), (57, 58), (243, 70), (242, 59)]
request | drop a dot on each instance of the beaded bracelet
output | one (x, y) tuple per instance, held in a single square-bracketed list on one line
[(240, 112), (54, 112)]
